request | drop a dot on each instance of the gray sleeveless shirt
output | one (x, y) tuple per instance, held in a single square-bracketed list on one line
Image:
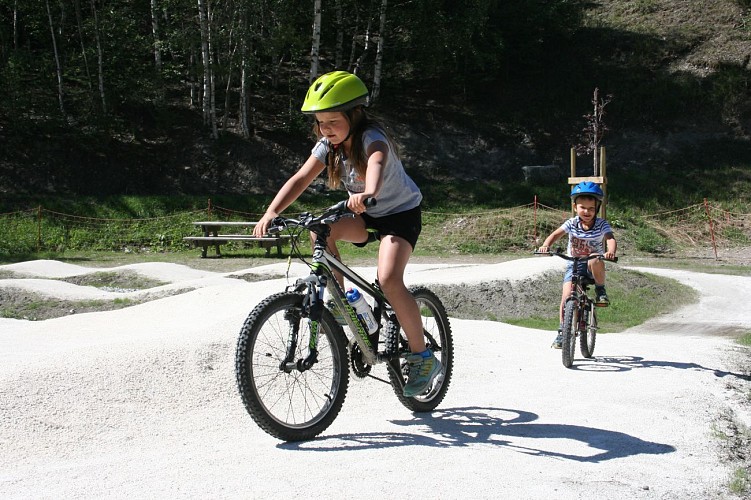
[(398, 191)]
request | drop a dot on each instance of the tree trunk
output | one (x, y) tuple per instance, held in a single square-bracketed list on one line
[(15, 25), (339, 34), (58, 68), (77, 6), (314, 50), (228, 87), (379, 55), (100, 59), (353, 47), (157, 40), (365, 49), (242, 112), (208, 105), (210, 19), (195, 96)]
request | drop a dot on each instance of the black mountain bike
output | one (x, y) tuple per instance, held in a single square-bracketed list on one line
[(579, 311), (293, 358)]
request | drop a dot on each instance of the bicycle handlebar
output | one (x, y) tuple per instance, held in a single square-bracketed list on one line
[(308, 220), (562, 255)]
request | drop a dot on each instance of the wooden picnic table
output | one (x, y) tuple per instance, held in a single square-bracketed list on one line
[(212, 237)]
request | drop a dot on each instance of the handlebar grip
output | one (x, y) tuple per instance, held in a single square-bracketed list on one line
[(371, 202)]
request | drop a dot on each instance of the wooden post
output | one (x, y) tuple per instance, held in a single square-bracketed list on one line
[(39, 228), (573, 162), (597, 179), (603, 207), (573, 174), (711, 227)]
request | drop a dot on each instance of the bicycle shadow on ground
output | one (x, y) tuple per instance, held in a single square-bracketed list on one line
[(504, 428), (626, 363)]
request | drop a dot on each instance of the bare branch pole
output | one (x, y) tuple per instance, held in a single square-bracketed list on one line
[(595, 129)]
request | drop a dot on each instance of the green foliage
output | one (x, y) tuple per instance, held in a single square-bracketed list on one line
[(650, 241), (740, 482)]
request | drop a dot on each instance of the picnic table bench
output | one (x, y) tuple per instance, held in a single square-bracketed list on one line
[(211, 237)]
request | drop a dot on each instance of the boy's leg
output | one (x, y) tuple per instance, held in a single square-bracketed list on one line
[(597, 268)]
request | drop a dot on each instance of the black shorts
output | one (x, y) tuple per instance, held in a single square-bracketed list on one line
[(407, 225)]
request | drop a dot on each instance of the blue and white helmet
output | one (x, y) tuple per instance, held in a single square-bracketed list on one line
[(587, 188)]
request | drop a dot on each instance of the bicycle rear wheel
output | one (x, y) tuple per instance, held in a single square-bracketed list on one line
[(438, 338), (570, 323), (587, 339), (287, 402)]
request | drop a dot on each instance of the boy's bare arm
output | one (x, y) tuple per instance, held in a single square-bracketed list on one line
[(611, 246), (552, 238)]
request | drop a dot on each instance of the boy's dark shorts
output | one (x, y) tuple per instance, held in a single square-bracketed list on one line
[(407, 225)]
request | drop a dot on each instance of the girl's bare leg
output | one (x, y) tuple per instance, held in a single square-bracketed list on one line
[(393, 256)]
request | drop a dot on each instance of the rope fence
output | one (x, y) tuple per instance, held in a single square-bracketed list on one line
[(704, 226)]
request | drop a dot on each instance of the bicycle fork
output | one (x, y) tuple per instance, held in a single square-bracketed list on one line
[(313, 303)]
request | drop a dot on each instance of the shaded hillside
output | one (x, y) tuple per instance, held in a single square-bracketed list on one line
[(678, 72)]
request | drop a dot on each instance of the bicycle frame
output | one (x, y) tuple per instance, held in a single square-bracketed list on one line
[(579, 285), (322, 277)]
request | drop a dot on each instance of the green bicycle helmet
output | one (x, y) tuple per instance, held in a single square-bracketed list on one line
[(335, 91), (587, 188)]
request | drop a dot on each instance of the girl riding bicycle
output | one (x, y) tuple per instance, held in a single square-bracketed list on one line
[(588, 234), (356, 151)]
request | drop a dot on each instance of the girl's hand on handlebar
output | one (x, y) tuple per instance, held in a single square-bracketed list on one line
[(356, 202), (261, 229)]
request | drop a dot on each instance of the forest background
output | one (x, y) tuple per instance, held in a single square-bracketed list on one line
[(174, 101)]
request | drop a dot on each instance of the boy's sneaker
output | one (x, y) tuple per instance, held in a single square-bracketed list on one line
[(601, 299), (338, 316), (422, 372), (558, 342)]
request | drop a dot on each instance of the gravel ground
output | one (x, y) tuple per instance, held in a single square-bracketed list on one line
[(140, 401)]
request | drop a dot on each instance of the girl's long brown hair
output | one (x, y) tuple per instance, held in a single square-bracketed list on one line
[(359, 121)]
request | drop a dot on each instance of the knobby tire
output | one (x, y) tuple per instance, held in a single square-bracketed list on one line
[(570, 323), (437, 327), (292, 406), (587, 339)]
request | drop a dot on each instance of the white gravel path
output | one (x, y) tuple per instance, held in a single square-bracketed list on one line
[(141, 403)]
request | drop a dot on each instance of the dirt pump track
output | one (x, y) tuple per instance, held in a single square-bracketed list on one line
[(141, 402)]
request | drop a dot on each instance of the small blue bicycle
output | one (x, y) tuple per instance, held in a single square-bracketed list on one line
[(579, 312)]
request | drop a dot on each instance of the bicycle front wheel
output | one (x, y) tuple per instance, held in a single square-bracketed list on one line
[(570, 324), (287, 401), (438, 338), (587, 339)]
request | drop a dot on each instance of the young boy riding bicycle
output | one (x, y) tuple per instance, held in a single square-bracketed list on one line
[(588, 234)]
